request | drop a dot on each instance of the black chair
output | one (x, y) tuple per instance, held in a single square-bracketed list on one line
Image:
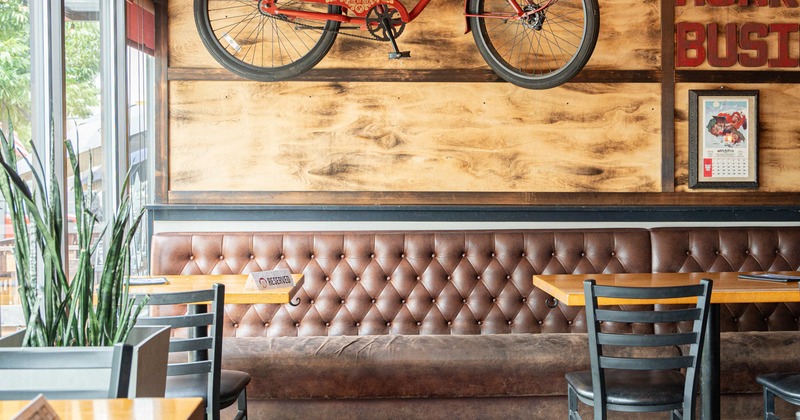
[(26, 372), (784, 385), (196, 351), (653, 381)]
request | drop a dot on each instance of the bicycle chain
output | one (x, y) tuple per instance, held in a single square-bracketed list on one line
[(322, 29)]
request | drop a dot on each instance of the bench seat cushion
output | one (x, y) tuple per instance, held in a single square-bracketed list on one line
[(404, 366), (745, 355)]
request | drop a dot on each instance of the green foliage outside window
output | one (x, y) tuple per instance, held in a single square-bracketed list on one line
[(82, 55)]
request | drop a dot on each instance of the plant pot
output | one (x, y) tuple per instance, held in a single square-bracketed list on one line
[(148, 366)]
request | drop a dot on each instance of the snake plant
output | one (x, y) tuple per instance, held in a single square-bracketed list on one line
[(60, 311)]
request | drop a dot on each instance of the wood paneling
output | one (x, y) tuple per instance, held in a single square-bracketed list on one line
[(291, 136), (441, 128)]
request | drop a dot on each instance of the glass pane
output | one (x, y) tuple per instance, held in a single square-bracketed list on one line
[(15, 108), (141, 106), (82, 69)]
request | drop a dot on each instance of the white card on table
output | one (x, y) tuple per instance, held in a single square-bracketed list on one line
[(270, 279)]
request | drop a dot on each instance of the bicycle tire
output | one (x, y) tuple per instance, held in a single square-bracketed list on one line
[(534, 58), (263, 47)]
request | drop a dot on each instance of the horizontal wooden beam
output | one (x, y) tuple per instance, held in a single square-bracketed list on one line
[(616, 199), (734, 76), (416, 75)]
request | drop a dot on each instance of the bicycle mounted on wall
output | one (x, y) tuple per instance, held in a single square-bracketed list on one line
[(532, 45)]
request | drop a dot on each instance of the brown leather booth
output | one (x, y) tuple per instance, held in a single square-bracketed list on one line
[(447, 324)]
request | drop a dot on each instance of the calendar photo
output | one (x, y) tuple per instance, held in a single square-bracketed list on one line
[(723, 149)]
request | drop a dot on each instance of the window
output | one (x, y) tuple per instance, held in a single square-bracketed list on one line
[(107, 110)]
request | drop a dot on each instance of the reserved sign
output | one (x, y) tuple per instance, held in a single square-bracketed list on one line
[(271, 279)]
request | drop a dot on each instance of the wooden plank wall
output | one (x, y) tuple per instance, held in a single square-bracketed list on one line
[(440, 128)]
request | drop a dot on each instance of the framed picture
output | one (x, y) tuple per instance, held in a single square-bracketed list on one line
[(723, 139)]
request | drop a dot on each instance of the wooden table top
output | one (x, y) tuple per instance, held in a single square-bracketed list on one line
[(234, 289), (727, 287), (118, 409)]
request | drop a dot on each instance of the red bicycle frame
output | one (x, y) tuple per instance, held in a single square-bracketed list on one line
[(361, 7)]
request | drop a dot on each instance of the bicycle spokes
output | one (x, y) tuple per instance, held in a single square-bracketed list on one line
[(542, 47)]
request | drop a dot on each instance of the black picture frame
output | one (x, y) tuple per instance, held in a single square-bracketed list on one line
[(723, 139)]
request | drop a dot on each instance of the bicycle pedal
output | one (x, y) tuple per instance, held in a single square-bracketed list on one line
[(396, 55)]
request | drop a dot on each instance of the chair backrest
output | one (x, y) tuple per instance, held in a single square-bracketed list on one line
[(65, 372), (197, 336), (631, 359)]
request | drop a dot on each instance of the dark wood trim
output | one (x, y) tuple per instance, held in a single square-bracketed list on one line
[(667, 96), (416, 75), (161, 164), (616, 199), (737, 76)]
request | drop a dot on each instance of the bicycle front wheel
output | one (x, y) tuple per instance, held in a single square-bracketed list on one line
[(261, 46), (542, 50)]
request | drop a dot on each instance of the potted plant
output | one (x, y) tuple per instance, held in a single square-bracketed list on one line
[(82, 311)]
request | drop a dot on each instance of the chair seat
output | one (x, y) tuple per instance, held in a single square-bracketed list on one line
[(231, 384), (660, 387), (785, 385)]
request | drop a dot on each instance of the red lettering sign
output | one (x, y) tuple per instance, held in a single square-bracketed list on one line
[(685, 45), (746, 43)]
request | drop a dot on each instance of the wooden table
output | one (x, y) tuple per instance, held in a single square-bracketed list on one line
[(118, 409), (235, 291), (727, 288)]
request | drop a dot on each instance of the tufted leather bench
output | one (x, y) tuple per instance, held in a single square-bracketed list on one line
[(447, 324)]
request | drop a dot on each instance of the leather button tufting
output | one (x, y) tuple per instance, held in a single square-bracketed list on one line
[(524, 299), (358, 324), (510, 322), (508, 277), (613, 253), (433, 300), (494, 299), (463, 300), (311, 301), (342, 301), (283, 256), (191, 257), (297, 324), (449, 322), (480, 322), (341, 257), (747, 251), (688, 253), (583, 254), (569, 322), (388, 324), (358, 278), (221, 257), (419, 323), (373, 300), (403, 301), (493, 255), (327, 324), (252, 256), (716, 252), (541, 322), (235, 325), (372, 256)]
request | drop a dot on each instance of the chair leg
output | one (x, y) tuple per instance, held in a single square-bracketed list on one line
[(769, 405), (241, 404), (572, 402)]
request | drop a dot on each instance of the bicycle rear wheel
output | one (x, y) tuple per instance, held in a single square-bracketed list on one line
[(260, 46), (542, 50)]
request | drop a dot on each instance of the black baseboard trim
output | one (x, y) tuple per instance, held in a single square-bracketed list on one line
[(217, 213)]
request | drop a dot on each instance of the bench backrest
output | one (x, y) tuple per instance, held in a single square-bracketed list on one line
[(361, 283)]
